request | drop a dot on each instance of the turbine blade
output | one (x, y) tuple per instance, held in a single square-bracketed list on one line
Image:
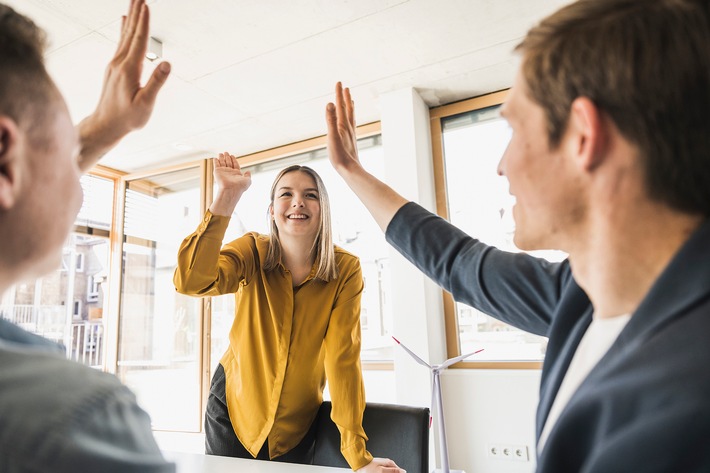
[(412, 354), (451, 361)]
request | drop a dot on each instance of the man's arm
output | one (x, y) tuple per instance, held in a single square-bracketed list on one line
[(516, 288), (379, 198), (124, 104)]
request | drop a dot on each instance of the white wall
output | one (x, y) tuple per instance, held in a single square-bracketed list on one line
[(486, 408), (483, 407)]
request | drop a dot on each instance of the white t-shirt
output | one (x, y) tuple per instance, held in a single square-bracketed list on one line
[(599, 337)]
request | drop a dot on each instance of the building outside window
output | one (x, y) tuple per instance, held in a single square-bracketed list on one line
[(63, 306)]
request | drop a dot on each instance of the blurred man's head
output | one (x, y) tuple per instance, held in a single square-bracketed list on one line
[(39, 179), (646, 66)]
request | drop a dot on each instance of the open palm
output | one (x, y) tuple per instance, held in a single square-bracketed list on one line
[(228, 175), (342, 142)]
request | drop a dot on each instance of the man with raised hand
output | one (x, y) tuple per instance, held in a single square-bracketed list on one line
[(57, 415), (609, 161)]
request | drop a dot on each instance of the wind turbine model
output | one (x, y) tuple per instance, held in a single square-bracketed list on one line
[(436, 397)]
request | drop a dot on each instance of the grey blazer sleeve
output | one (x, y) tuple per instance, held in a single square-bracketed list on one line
[(513, 287), (61, 416), (10, 332), (112, 434)]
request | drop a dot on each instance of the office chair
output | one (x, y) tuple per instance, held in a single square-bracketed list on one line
[(397, 432)]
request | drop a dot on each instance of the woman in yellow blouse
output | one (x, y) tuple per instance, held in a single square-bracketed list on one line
[(297, 321)]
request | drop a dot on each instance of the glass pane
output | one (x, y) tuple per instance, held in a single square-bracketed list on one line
[(159, 335), (66, 306), (480, 205), (353, 230)]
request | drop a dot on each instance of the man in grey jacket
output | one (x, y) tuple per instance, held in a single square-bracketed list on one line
[(56, 415), (609, 160)]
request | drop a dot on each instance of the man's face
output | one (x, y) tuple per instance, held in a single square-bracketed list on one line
[(51, 194), (541, 178)]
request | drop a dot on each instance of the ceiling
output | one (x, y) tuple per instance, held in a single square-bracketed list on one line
[(253, 75)]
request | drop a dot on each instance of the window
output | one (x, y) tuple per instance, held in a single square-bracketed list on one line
[(473, 138), (92, 289), (79, 265), (159, 341), (76, 312)]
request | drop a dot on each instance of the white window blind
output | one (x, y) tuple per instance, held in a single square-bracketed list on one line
[(141, 215), (97, 208)]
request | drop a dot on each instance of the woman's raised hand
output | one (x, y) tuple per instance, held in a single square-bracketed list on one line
[(231, 184), (228, 175)]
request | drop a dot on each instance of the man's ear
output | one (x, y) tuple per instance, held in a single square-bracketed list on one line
[(589, 135), (9, 162)]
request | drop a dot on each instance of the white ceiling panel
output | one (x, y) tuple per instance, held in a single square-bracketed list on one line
[(307, 119), (220, 33), (237, 138), (182, 111), (253, 75), (61, 28), (83, 90)]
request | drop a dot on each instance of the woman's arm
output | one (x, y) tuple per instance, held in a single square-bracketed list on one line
[(344, 372), (204, 267)]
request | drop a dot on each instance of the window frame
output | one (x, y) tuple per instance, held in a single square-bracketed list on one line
[(114, 176), (116, 280), (436, 117)]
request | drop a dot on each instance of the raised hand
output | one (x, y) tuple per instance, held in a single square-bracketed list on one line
[(124, 104), (380, 199), (342, 143), (228, 175), (231, 184)]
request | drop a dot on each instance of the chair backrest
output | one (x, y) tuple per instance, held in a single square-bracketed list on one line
[(397, 432)]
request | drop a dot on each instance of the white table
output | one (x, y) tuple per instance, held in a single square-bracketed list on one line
[(197, 463)]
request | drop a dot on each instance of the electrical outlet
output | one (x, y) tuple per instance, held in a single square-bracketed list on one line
[(520, 453), (494, 451), (508, 452)]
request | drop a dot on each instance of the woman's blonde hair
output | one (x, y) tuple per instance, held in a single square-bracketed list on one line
[(322, 250)]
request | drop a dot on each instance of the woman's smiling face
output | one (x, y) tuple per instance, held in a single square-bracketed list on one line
[(296, 205)]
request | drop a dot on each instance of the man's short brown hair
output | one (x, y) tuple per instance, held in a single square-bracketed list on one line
[(25, 87), (646, 65)]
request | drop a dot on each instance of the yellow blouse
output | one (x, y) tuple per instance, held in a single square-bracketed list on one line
[(284, 341)]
